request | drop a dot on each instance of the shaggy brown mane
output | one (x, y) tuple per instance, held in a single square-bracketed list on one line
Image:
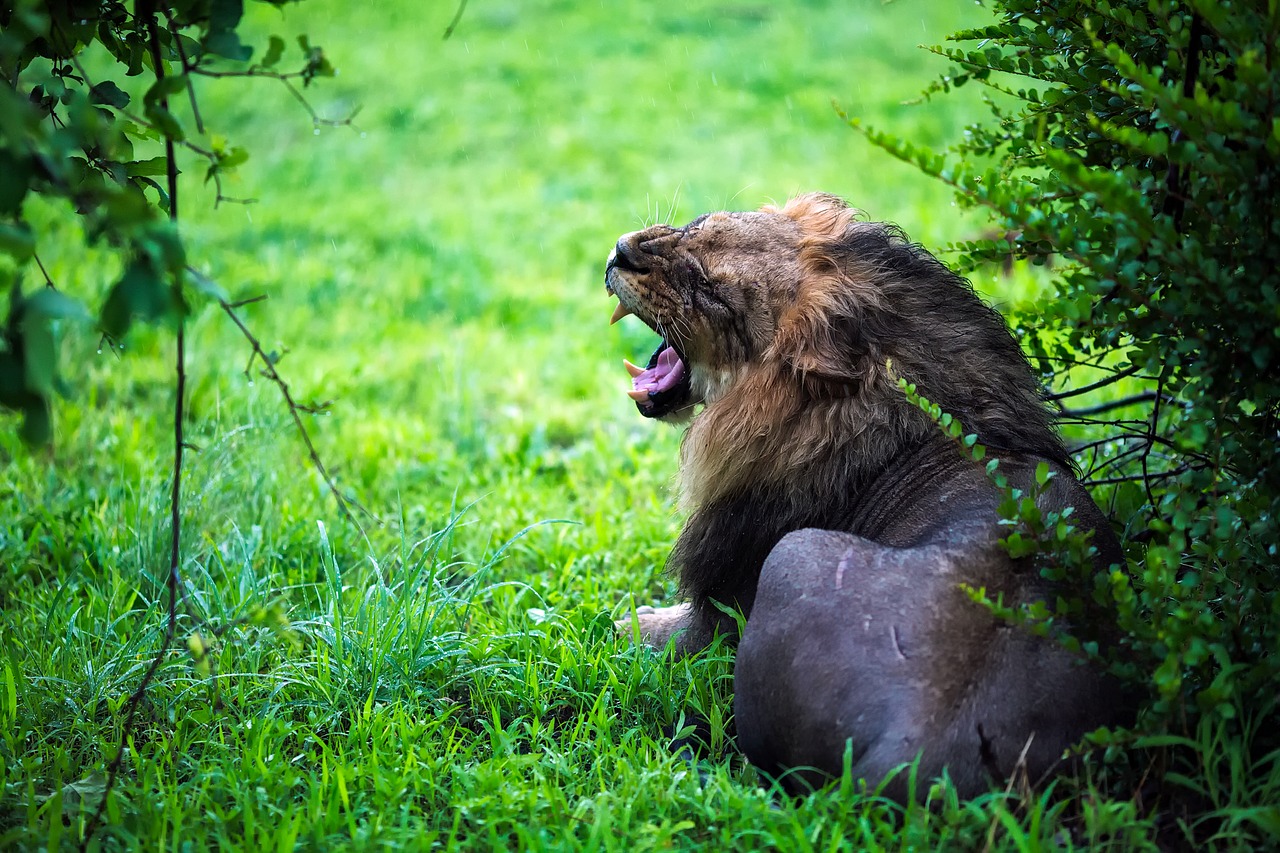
[(796, 441)]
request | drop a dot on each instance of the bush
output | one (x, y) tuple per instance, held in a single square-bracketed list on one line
[(72, 136), (1139, 142)]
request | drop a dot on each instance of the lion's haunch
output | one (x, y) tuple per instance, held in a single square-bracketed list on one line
[(855, 646)]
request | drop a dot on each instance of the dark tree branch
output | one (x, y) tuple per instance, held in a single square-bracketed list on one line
[(186, 69), (1136, 399), (1145, 478), (1094, 386)]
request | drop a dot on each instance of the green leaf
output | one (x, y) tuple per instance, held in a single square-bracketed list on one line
[(13, 384), (275, 49), (17, 241), (225, 14), (163, 246), (1043, 474), (154, 166), (39, 355), (15, 178), (47, 302), (227, 44), (110, 94), (207, 286), (37, 425), (140, 293), (166, 122), (164, 87), (234, 156)]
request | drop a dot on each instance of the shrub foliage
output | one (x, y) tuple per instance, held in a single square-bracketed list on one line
[(72, 134), (1137, 143)]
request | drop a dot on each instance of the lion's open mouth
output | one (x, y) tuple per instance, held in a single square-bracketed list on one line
[(662, 387)]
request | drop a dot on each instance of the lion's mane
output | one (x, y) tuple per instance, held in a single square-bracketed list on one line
[(816, 432)]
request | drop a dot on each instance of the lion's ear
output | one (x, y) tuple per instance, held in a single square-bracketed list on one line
[(821, 346)]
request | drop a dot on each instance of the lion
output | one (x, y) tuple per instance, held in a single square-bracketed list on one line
[(834, 514)]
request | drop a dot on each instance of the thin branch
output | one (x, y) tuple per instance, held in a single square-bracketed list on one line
[(457, 17), (1145, 478), (1123, 402), (1101, 383), (285, 79), (186, 69), (1129, 425), (1113, 461), (316, 120), (48, 282), (252, 299), (1151, 440), (219, 198), (295, 409)]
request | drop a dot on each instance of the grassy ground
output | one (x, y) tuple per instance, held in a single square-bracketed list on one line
[(450, 676)]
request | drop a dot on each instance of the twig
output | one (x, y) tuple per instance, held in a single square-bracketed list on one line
[(186, 69), (1094, 386), (1151, 440), (295, 409), (286, 80), (1112, 461), (48, 282), (1144, 397), (457, 17), (316, 120), (1144, 477), (252, 299)]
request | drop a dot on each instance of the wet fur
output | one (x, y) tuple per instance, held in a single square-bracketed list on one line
[(812, 422)]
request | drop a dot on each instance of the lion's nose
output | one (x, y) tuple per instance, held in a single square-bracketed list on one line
[(627, 254)]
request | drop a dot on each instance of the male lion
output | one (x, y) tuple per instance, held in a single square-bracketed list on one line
[(836, 515)]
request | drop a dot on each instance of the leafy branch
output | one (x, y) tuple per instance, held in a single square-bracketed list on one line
[(64, 135)]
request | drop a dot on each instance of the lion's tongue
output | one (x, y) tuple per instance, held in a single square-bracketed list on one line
[(665, 374)]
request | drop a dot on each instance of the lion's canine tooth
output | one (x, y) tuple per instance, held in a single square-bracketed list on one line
[(632, 369), (638, 395), (618, 313)]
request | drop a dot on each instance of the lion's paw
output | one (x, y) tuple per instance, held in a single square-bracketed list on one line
[(656, 625)]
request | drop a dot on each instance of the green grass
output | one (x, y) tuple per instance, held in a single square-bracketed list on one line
[(449, 677)]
